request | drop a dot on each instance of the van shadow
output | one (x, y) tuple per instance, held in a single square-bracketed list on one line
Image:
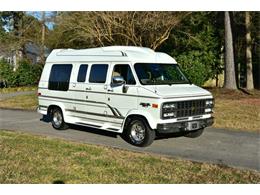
[(47, 119)]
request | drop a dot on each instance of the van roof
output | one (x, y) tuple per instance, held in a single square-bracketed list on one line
[(111, 53)]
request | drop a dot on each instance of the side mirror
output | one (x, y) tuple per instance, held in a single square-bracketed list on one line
[(118, 80)]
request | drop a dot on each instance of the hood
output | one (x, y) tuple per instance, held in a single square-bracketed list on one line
[(177, 90)]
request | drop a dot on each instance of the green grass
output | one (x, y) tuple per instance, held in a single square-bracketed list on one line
[(17, 89), (26, 102), (35, 159), (237, 110)]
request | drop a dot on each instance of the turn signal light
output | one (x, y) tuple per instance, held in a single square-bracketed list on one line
[(155, 105)]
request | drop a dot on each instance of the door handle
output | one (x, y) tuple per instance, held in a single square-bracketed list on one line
[(110, 90), (88, 88)]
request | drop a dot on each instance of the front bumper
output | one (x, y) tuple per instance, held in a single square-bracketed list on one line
[(184, 126)]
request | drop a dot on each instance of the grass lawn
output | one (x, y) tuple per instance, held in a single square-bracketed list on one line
[(16, 89), (26, 158), (26, 102), (237, 110)]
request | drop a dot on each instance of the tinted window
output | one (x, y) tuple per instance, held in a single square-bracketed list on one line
[(82, 73), (124, 71), (160, 74), (98, 73), (60, 77)]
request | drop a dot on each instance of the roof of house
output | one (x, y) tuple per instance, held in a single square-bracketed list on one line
[(111, 53)]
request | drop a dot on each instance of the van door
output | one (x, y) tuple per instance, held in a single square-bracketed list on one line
[(95, 94), (121, 98)]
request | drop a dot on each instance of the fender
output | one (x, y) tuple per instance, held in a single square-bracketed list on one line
[(62, 107), (143, 113)]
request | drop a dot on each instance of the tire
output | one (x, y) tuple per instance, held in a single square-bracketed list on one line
[(139, 133), (57, 119), (194, 134)]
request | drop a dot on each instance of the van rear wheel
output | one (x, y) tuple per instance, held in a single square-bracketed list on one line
[(58, 120), (139, 133)]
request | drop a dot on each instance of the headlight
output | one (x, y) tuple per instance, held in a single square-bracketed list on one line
[(169, 110), (208, 110), (209, 103), (169, 105), (171, 114)]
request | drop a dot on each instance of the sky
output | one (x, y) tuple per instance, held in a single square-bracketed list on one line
[(38, 15)]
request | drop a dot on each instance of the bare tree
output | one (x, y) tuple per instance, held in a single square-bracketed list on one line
[(230, 78), (249, 78), (148, 29)]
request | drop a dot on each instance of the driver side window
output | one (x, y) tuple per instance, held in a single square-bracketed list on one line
[(125, 71)]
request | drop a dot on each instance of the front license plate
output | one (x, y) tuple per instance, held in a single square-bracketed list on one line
[(193, 125)]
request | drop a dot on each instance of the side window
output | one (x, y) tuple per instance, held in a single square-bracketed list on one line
[(125, 71), (60, 77), (98, 73), (82, 73)]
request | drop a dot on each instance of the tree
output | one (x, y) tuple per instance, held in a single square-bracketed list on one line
[(88, 29), (21, 29), (249, 70), (230, 77), (196, 45)]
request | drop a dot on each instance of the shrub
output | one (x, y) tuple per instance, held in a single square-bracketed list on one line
[(26, 74), (6, 72), (196, 65)]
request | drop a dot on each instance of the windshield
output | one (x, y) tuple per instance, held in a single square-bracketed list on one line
[(159, 74)]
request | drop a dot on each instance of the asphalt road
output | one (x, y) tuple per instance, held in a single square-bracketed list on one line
[(220, 146)]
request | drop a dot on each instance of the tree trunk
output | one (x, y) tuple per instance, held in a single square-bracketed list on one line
[(230, 77), (249, 66), (43, 37)]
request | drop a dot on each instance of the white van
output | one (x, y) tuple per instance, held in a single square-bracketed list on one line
[(131, 90)]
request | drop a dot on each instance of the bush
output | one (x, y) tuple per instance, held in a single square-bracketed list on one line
[(5, 73), (196, 65), (26, 74)]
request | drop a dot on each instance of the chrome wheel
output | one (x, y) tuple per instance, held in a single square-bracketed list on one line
[(57, 119), (137, 132)]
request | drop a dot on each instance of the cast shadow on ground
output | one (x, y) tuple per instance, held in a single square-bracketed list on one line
[(47, 119)]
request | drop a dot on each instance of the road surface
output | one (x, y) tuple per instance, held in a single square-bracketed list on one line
[(220, 146)]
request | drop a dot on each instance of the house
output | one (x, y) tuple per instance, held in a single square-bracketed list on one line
[(30, 51)]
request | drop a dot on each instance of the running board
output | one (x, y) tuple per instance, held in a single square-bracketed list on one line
[(97, 126)]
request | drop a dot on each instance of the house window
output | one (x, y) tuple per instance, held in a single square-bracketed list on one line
[(60, 77), (98, 73)]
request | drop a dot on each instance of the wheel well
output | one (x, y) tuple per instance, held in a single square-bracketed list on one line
[(50, 109), (131, 117)]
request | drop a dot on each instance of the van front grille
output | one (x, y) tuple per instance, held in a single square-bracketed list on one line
[(190, 108), (183, 109)]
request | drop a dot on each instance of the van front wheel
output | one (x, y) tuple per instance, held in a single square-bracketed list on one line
[(58, 120), (139, 133)]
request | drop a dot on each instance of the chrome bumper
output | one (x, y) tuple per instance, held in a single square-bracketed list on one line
[(185, 126)]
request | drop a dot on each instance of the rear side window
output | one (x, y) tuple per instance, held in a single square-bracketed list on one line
[(98, 73), (60, 77), (82, 73)]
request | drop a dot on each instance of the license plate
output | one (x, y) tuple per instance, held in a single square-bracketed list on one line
[(193, 125)]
